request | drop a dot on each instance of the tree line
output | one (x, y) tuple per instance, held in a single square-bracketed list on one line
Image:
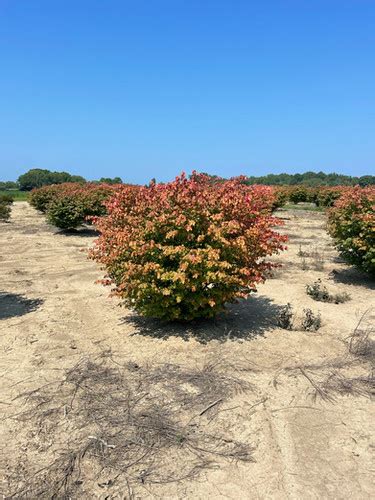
[(311, 179), (37, 177)]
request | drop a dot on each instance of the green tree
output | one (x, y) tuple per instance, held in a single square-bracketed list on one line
[(108, 180), (38, 177), (8, 185)]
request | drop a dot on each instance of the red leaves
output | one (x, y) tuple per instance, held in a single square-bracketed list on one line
[(182, 250)]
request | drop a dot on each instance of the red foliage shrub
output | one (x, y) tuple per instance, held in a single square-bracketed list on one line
[(41, 197), (69, 205), (271, 197), (181, 250), (351, 222)]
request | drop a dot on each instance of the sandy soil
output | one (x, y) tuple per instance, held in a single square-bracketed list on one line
[(52, 314)]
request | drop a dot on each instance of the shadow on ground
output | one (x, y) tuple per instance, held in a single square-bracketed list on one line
[(353, 276), (247, 319), (82, 232), (13, 304)]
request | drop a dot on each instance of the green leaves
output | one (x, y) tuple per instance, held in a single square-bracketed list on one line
[(182, 250), (71, 204), (351, 222)]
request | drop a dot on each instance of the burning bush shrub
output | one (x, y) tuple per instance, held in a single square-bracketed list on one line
[(66, 212), (351, 222), (181, 250), (300, 194), (268, 198), (71, 204), (326, 196), (41, 197), (281, 194), (76, 204)]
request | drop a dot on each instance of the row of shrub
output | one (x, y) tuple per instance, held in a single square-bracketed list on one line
[(351, 223), (184, 249), (351, 218), (322, 196), (6, 201), (70, 205)]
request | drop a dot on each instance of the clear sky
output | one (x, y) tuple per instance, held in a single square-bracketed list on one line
[(148, 88)]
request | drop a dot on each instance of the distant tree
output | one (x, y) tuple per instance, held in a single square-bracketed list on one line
[(8, 185), (366, 180), (38, 177), (76, 178), (108, 180)]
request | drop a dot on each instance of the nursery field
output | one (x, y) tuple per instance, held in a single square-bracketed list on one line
[(264, 401)]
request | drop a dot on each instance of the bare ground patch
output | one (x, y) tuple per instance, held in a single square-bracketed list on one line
[(129, 424)]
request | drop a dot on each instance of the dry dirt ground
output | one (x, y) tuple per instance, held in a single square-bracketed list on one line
[(297, 403)]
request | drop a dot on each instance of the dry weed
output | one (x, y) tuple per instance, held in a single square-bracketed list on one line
[(128, 424)]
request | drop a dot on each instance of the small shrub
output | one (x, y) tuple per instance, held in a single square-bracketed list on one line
[(281, 197), (71, 204), (302, 194), (182, 250), (6, 199), (351, 223), (5, 212), (66, 212), (311, 322), (285, 317), (299, 194), (320, 293)]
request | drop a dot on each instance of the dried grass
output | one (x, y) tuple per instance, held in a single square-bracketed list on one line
[(128, 424), (360, 340), (328, 386)]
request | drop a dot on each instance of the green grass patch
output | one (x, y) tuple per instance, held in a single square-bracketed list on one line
[(16, 194)]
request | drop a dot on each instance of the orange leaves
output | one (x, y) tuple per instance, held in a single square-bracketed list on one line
[(182, 250)]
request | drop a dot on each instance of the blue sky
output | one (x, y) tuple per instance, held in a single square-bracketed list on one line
[(145, 89)]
